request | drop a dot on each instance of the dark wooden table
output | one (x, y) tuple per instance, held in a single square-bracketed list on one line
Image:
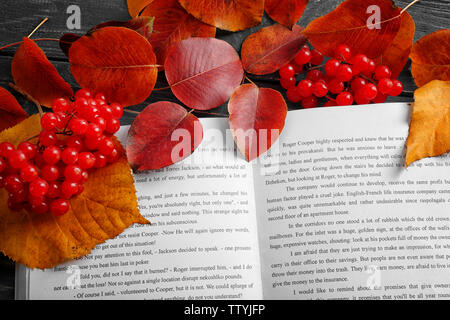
[(18, 19)]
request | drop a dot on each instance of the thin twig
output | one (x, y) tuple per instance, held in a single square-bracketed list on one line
[(408, 6), (28, 97), (37, 27)]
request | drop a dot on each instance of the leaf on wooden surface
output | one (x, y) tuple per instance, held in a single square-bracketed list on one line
[(225, 14), (270, 48), (396, 55), (285, 12), (154, 137), (429, 131), (136, 6), (35, 75), (116, 61), (11, 113), (107, 206), (173, 24), (257, 117), (142, 25), (430, 58), (349, 24), (203, 72)]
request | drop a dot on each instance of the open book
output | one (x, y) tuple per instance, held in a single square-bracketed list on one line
[(328, 213)]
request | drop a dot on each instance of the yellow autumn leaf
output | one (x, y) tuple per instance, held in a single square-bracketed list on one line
[(429, 131), (107, 206)]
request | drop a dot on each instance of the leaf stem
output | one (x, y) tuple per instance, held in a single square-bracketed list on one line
[(20, 42), (210, 113), (161, 89), (249, 80), (37, 27), (28, 97), (408, 6), (131, 111)]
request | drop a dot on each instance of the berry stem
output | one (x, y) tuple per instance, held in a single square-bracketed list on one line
[(367, 78), (28, 97), (37, 27)]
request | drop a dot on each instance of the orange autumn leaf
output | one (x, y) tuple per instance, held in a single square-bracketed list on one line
[(430, 58), (11, 112), (225, 14), (173, 24), (107, 206), (429, 131), (116, 61), (35, 75), (285, 12), (396, 55), (135, 6), (350, 24)]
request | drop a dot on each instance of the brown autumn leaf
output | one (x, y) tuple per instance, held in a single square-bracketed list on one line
[(349, 23), (173, 24), (429, 131), (107, 206), (270, 48), (396, 55), (11, 113), (35, 75), (225, 14), (116, 61), (430, 58), (285, 12)]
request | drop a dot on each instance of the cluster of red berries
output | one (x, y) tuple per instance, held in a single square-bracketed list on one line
[(75, 138), (346, 79)]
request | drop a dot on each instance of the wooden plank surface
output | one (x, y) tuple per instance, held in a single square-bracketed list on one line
[(18, 19)]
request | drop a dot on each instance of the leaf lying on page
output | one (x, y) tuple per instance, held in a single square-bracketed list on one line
[(429, 132), (107, 206)]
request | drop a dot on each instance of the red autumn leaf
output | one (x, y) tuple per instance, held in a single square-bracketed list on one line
[(396, 55), (66, 41), (135, 6), (350, 23), (11, 113), (270, 48), (162, 134), (257, 117), (142, 25), (203, 72), (225, 14), (35, 75), (173, 24), (285, 12), (116, 61), (430, 58)]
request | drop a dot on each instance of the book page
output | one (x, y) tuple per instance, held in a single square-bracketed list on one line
[(202, 243), (343, 219)]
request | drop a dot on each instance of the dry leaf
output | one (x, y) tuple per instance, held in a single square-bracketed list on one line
[(429, 131), (285, 12), (430, 58), (225, 14), (106, 208), (173, 24), (11, 113), (35, 75), (116, 61)]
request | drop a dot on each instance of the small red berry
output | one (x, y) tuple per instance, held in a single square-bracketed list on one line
[(344, 99), (320, 89), (316, 57), (60, 105), (382, 72), (310, 102), (385, 85), (343, 52), (397, 88), (52, 155), (59, 207), (287, 83), (28, 148), (332, 67), (38, 188), (303, 56), (305, 88), (287, 71)]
